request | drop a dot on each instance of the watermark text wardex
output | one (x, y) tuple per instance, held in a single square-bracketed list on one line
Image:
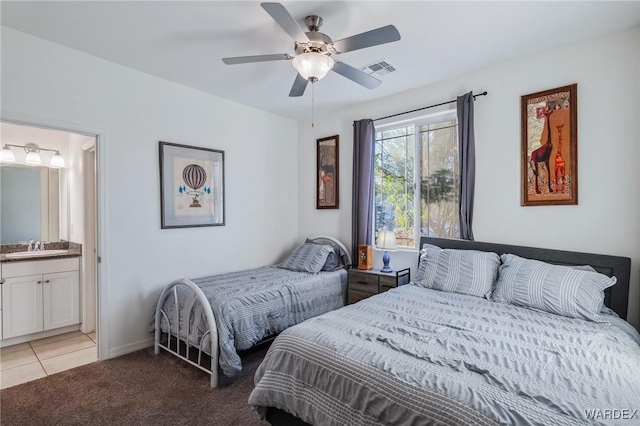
[(611, 414)]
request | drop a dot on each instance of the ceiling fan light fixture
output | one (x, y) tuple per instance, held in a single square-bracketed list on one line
[(313, 66)]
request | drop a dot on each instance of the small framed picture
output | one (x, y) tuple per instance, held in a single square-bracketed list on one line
[(549, 147), (327, 169), (191, 186)]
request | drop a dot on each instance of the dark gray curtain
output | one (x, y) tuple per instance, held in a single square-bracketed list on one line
[(364, 138), (467, 154)]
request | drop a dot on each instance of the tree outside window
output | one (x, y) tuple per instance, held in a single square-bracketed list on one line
[(433, 162)]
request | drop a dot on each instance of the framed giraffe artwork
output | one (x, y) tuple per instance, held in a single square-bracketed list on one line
[(549, 147), (327, 167)]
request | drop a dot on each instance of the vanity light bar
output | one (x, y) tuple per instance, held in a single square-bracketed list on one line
[(33, 155)]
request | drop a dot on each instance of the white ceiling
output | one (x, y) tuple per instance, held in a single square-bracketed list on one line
[(184, 41)]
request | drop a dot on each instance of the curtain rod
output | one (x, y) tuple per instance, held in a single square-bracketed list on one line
[(427, 107)]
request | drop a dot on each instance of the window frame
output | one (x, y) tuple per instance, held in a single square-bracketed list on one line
[(416, 123)]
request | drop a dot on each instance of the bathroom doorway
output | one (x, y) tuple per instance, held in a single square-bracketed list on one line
[(90, 257), (74, 221)]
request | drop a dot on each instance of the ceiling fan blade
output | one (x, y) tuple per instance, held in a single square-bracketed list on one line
[(299, 86), (375, 37), (257, 58), (285, 20), (354, 74)]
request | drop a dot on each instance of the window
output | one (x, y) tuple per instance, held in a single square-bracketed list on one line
[(426, 152)]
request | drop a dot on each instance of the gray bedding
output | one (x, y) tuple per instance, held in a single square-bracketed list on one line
[(252, 304), (415, 356)]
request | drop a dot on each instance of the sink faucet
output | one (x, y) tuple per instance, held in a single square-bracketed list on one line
[(37, 246), (30, 245)]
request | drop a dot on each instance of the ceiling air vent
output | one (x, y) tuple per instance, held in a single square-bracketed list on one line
[(379, 68)]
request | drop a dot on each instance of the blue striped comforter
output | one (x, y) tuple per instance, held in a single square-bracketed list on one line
[(415, 356), (252, 304)]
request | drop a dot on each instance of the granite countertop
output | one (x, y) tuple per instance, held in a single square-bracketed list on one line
[(74, 250)]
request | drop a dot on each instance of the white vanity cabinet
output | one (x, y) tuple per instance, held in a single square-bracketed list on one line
[(40, 295), (21, 305)]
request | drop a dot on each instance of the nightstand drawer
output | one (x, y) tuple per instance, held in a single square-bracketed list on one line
[(385, 287), (367, 283), (363, 284), (389, 281), (356, 296)]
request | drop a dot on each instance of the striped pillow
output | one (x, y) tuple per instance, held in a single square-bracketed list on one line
[(336, 259), (560, 290), (307, 258), (422, 265), (469, 272)]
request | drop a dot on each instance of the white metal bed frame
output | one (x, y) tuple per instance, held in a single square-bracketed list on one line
[(170, 289)]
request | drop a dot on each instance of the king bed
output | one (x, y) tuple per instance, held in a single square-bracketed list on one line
[(205, 321), (437, 352)]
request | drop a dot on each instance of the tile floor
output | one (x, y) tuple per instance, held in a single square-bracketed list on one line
[(33, 360)]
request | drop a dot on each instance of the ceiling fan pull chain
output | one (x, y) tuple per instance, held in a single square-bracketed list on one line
[(312, 103)]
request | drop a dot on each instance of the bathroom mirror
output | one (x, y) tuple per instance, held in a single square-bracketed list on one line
[(29, 203)]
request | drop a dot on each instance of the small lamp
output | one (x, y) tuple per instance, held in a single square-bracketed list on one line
[(387, 242)]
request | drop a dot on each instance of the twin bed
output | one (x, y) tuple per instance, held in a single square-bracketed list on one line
[(217, 316), (417, 355)]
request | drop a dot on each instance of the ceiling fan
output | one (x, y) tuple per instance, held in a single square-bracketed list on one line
[(313, 50)]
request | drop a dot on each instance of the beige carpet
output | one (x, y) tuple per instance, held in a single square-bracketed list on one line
[(134, 389)]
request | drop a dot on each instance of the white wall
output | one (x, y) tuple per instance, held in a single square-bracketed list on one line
[(607, 218), (133, 111)]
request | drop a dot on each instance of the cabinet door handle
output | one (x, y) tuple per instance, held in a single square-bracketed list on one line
[(46, 281), (363, 282), (39, 282)]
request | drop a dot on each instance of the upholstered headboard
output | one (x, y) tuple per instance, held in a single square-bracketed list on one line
[(616, 297)]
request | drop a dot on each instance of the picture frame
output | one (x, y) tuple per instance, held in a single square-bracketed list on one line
[(191, 186), (549, 147), (327, 172)]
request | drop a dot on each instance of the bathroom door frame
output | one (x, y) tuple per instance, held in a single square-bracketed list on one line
[(90, 244), (102, 323)]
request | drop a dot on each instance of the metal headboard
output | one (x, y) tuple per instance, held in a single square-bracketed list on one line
[(333, 240)]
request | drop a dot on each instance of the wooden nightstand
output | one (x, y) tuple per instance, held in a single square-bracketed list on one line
[(363, 284)]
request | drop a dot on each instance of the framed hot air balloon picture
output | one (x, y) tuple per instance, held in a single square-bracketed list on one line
[(191, 186)]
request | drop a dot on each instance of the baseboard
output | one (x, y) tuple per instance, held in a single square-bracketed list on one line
[(131, 347)]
